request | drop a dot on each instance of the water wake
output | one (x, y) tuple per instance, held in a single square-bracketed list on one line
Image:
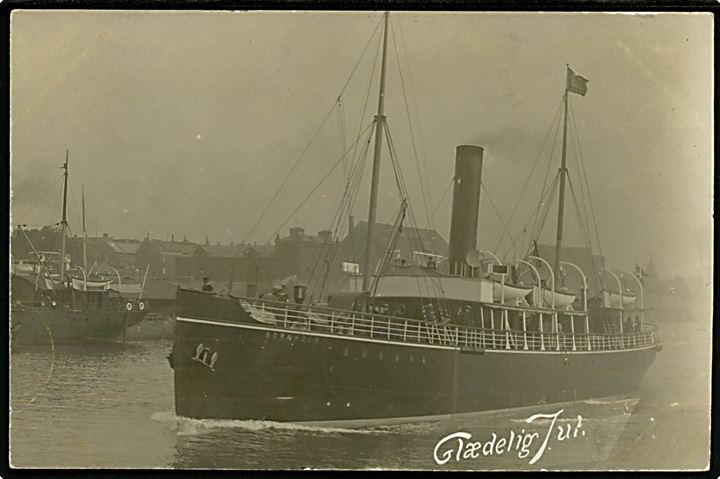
[(190, 426)]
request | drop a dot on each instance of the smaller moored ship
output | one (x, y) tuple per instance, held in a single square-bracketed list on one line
[(53, 303)]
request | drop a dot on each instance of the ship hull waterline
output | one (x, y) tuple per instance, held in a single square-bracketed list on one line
[(31, 327), (262, 372)]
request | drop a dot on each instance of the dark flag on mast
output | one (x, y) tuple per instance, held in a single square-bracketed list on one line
[(576, 83)]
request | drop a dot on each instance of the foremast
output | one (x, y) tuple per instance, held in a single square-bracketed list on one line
[(379, 127), (64, 222)]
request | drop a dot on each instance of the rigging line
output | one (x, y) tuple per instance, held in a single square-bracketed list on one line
[(548, 207), (544, 203), (497, 211), (312, 139), (418, 124), (584, 233), (550, 157), (412, 135), (533, 215), (410, 212), (555, 119), (351, 188), (584, 213), (384, 261), (437, 207), (547, 172), (576, 154), (367, 94), (35, 203), (288, 176), (401, 180), (346, 203), (588, 238), (587, 187), (322, 180), (73, 203), (362, 54), (393, 162), (582, 210), (418, 240), (341, 133)]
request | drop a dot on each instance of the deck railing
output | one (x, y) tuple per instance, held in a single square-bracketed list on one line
[(389, 328)]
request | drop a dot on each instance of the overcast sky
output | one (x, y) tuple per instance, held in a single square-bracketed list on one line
[(187, 123)]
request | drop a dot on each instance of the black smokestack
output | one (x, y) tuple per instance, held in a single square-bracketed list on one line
[(466, 205)]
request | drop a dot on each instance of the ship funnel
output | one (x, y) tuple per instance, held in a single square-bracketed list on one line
[(466, 205)]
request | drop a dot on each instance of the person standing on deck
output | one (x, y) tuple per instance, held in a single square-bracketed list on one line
[(207, 285)]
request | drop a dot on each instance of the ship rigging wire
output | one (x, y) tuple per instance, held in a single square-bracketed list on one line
[(309, 144), (32, 206), (584, 177), (412, 135), (553, 126)]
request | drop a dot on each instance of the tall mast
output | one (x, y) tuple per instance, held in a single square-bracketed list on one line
[(379, 126), (84, 237), (63, 223), (561, 198)]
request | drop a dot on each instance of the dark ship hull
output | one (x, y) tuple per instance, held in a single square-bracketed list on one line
[(36, 326), (228, 365)]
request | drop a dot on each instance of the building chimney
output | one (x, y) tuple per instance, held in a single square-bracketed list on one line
[(351, 224), (324, 234), (296, 232), (466, 205), (106, 236), (172, 238)]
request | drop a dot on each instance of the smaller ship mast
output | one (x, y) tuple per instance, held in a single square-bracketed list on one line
[(379, 127), (84, 240), (63, 222)]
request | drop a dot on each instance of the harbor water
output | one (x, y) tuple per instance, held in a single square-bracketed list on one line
[(110, 405)]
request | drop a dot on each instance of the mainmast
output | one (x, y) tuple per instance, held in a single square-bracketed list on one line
[(379, 127), (577, 84), (561, 199), (63, 223)]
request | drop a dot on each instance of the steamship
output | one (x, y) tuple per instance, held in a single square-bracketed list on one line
[(417, 341), (53, 304)]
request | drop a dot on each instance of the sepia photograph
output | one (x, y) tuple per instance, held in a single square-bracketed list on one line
[(360, 240)]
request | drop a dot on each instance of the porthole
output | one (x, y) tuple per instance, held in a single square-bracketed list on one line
[(411, 358), (345, 352), (363, 354), (380, 356), (397, 357), (423, 359)]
